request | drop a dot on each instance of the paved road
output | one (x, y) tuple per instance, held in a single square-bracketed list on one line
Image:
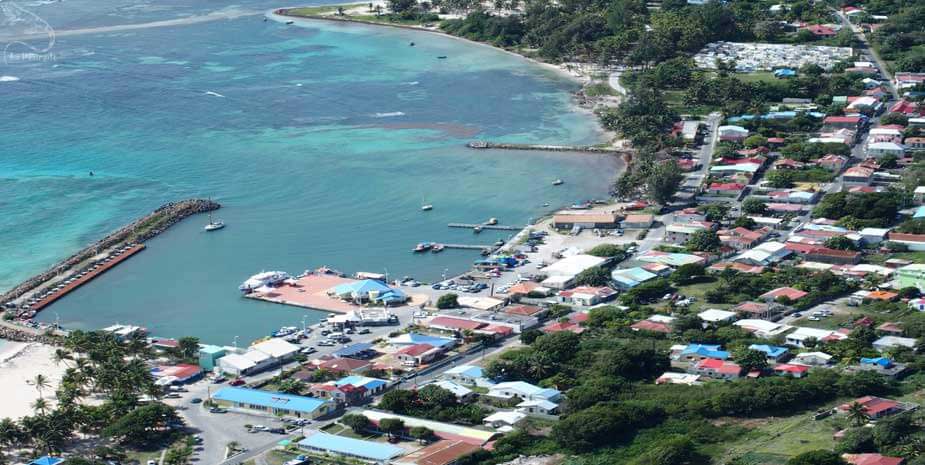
[(884, 70)]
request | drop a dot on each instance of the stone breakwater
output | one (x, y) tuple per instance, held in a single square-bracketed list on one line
[(10, 332), (480, 144), (139, 230)]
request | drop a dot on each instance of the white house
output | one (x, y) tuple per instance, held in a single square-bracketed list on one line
[(798, 337), (469, 375), (812, 359), (524, 391), (715, 316), (236, 364), (888, 342), (882, 149), (542, 407), (764, 254), (278, 349), (762, 328), (504, 420), (462, 393)]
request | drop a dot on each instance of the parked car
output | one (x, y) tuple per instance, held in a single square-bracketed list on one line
[(237, 382), (308, 350), (195, 400)]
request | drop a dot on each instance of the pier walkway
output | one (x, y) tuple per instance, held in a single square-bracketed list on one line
[(480, 144), (497, 227)]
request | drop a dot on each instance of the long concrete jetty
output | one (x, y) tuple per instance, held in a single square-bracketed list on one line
[(497, 227), (128, 239), (481, 144)]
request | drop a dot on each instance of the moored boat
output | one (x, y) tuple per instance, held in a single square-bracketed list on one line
[(437, 248), (423, 247)]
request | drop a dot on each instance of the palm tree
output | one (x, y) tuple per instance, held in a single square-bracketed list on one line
[(40, 406), (40, 382), (857, 414), (61, 356)]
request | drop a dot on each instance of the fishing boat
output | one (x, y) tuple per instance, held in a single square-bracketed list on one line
[(558, 182), (437, 248), (290, 22), (441, 57), (492, 221), (214, 225), (423, 247), (477, 229), (284, 331), (266, 278)]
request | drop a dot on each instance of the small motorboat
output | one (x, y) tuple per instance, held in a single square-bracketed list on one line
[(427, 207), (437, 248), (423, 247), (558, 182), (546, 204), (441, 57), (290, 22), (477, 229), (411, 44), (492, 221)]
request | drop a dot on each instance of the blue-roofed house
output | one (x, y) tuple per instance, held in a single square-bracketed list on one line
[(369, 290), (524, 391), (330, 444), (774, 353), (469, 375), (629, 278), (272, 403), (697, 352), (373, 386), (46, 460), (410, 339)]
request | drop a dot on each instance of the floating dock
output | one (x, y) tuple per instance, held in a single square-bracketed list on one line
[(102, 267), (496, 227)]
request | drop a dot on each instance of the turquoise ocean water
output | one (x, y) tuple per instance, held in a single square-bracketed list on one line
[(322, 142)]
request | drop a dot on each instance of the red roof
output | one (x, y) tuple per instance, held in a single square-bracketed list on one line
[(567, 326), (526, 310), (455, 323), (893, 236), (842, 119), (872, 405), (776, 140), (343, 364), (752, 307), (646, 325), (864, 321), (499, 329), (729, 186), (416, 349), (821, 30), (789, 292), (793, 369), (905, 107), (871, 459), (720, 366)]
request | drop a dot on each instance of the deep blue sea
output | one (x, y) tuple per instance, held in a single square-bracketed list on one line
[(321, 140)]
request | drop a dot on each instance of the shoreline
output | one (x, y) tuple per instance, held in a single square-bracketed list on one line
[(20, 365), (606, 136)]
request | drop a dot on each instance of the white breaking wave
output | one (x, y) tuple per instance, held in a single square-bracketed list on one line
[(391, 114), (8, 78), (215, 94), (412, 83)]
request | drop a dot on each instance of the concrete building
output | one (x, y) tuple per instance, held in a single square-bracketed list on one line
[(342, 446), (271, 403), (209, 355)]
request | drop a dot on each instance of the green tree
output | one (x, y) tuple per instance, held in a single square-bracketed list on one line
[(780, 178), (391, 426), (857, 414), (143, 425), (714, 212), (421, 433), (189, 347), (594, 276), (754, 206), (745, 222), (679, 450), (663, 182), (291, 386), (402, 6), (756, 140), (751, 360), (840, 243), (356, 422), (448, 301), (704, 240), (398, 400), (687, 273), (606, 250)]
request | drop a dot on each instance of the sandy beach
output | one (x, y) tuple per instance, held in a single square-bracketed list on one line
[(19, 364)]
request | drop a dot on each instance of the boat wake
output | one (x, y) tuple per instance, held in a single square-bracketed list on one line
[(215, 94), (388, 115), (412, 83), (8, 78)]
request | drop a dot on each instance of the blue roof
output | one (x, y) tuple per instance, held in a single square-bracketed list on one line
[(46, 460), (418, 338), (353, 349), (268, 399), (882, 361), (706, 350), (365, 286), (771, 351), (471, 371), (785, 72), (370, 384), (351, 447)]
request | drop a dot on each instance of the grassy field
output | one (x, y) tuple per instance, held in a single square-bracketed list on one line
[(832, 322), (758, 76), (698, 291), (774, 440)]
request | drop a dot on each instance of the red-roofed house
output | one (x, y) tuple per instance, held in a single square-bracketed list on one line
[(556, 327), (874, 407), (525, 310), (788, 292), (832, 162), (788, 164), (913, 241), (742, 238), (417, 354), (821, 30), (872, 459), (905, 107), (653, 326), (834, 256), (858, 175), (344, 365), (448, 323), (891, 328), (716, 368), (725, 188), (844, 122), (787, 369)]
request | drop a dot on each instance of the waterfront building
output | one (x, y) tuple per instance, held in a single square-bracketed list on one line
[(271, 403)]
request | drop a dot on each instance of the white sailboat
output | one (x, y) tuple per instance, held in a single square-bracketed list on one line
[(214, 225)]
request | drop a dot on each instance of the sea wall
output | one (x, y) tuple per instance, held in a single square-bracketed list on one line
[(546, 147), (139, 230), (11, 332)]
